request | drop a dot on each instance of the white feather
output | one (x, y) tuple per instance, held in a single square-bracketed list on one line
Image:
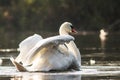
[(26, 45), (48, 43), (53, 53)]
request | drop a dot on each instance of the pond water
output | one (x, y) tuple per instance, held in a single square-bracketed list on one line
[(100, 61)]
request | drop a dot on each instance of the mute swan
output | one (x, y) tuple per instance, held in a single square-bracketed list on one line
[(53, 53)]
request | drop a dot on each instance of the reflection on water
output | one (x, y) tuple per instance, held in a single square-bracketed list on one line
[(46, 77), (95, 52), (103, 44), (87, 73), (8, 50)]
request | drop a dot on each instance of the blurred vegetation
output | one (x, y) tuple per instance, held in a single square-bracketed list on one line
[(20, 16)]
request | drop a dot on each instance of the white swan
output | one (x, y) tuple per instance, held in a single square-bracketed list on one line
[(103, 34), (53, 53)]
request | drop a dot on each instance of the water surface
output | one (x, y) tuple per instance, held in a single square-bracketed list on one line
[(100, 61)]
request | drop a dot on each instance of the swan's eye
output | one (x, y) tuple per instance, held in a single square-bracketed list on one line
[(73, 30), (71, 26)]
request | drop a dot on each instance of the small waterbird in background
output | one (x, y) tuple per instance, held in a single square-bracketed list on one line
[(103, 34), (103, 37)]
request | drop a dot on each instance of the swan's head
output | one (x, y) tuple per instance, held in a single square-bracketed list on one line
[(66, 28), (103, 32)]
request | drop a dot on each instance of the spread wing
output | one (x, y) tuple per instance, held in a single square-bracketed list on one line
[(26, 45), (48, 42)]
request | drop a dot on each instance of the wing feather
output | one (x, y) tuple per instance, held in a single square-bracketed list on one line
[(26, 45), (51, 41)]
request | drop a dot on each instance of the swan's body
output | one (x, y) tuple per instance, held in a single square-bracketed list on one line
[(53, 53)]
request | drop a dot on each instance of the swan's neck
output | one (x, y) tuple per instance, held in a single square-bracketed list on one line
[(71, 45), (63, 32), (73, 48)]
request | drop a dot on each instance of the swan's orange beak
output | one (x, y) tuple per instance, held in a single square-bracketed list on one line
[(74, 31)]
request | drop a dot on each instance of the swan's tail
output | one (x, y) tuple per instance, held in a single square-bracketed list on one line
[(17, 65)]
